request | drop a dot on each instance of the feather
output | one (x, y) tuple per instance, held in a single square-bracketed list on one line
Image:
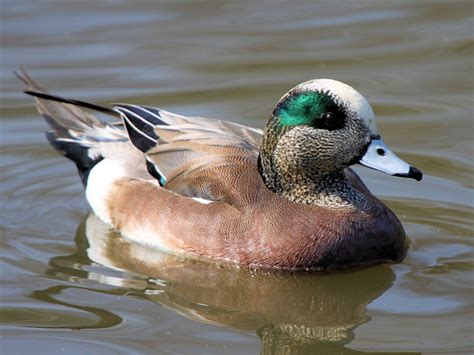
[(181, 150)]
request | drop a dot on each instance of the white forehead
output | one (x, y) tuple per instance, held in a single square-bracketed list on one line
[(347, 96)]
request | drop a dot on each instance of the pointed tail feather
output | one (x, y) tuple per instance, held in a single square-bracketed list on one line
[(75, 133), (43, 95)]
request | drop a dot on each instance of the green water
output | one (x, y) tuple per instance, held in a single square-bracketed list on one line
[(71, 286)]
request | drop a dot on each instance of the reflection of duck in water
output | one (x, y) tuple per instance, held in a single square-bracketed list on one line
[(287, 310), (285, 198)]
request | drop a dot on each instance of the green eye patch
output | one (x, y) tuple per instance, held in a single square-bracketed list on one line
[(310, 108)]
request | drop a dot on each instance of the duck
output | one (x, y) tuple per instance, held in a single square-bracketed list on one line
[(284, 197)]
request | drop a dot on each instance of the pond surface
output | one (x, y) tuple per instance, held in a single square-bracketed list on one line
[(70, 284)]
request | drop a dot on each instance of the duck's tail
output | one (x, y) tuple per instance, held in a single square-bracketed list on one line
[(75, 133)]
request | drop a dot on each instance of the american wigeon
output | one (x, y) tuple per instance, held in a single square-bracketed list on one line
[(282, 198)]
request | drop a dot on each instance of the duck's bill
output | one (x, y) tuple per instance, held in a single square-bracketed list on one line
[(379, 157)]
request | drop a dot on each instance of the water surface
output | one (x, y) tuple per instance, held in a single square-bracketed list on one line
[(69, 283)]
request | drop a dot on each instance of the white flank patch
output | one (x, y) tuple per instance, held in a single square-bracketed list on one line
[(202, 200), (348, 96), (99, 183)]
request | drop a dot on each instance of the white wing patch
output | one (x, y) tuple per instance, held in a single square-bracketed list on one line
[(202, 200)]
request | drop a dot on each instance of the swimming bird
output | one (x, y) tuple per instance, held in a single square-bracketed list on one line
[(283, 198)]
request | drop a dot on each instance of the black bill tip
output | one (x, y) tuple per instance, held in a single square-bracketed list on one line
[(413, 173)]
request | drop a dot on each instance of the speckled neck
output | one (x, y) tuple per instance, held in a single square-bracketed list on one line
[(329, 191), (308, 186), (266, 163)]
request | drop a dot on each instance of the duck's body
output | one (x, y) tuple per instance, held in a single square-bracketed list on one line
[(266, 230), (231, 193)]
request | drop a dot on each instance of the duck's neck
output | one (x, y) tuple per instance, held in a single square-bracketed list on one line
[(331, 191), (325, 190), (309, 186)]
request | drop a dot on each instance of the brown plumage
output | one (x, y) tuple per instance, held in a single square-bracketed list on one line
[(329, 221)]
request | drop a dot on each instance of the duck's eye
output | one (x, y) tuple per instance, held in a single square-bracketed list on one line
[(328, 116), (330, 121)]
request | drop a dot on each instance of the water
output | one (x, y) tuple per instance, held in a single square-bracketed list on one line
[(69, 284)]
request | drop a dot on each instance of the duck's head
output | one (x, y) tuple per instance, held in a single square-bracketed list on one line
[(321, 127)]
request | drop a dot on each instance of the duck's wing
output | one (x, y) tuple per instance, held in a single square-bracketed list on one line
[(193, 156)]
